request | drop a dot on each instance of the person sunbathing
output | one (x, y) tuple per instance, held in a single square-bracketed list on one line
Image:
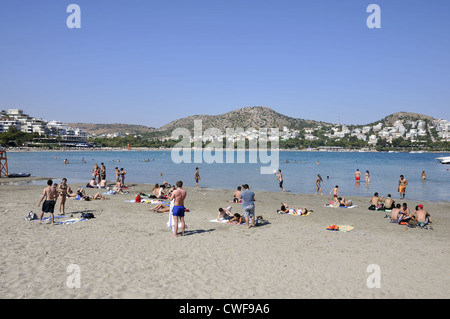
[(98, 196), (286, 209), (345, 203), (80, 192), (236, 219), (224, 213), (161, 208), (118, 187)]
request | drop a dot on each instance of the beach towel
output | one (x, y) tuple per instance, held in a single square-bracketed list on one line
[(221, 220), (295, 214), (340, 228), (63, 222), (71, 221), (328, 205), (225, 221), (170, 223)]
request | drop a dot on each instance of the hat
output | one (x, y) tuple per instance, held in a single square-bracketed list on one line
[(420, 206)]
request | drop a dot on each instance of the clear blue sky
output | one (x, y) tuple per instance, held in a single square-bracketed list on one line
[(151, 62)]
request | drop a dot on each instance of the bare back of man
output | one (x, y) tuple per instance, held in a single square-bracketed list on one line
[(179, 196), (394, 214), (421, 215)]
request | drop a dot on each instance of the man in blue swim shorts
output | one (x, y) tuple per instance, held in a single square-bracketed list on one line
[(50, 195), (178, 195), (178, 211)]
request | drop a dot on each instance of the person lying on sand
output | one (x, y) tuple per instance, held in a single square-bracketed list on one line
[(286, 209), (345, 203), (224, 213), (161, 208), (236, 219)]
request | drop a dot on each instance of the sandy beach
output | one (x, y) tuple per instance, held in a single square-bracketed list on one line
[(127, 251)]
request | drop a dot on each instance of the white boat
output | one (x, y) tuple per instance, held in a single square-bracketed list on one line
[(444, 160)]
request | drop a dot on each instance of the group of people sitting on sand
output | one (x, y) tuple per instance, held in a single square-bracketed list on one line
[(161, 191), (377, 203), (81, 194), (400, 213), (63, 191), (225, 214), (339, 201), (93, 184)]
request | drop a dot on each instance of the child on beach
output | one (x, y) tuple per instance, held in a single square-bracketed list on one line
[(335, 191)]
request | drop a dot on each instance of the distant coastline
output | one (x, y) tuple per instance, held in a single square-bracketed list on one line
[(140, 149)]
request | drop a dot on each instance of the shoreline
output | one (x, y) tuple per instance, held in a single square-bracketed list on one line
[(26, 180), (140, 149), (127, 251)]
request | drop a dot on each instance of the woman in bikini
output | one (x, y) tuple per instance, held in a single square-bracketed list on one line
[(63, 190)]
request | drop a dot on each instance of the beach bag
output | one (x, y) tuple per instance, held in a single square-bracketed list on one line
[(31, 216), (87, 215), (138, 198)]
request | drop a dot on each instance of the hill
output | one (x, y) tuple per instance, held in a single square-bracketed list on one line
[(403, 116), (247, 117)]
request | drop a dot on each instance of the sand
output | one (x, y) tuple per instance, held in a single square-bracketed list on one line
[(127, 251)]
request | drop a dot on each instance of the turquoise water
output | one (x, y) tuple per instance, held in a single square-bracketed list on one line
[(146, 167)]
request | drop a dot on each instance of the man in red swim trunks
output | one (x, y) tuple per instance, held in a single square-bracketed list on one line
[(357, 175), (178, 208)]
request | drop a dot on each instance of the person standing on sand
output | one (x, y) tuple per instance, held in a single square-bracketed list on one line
[(103, 172), (51, 196), (178, 196), (197, 177), (63, 190), (280, 178), (248, 205), (402, 186), (122, 175)]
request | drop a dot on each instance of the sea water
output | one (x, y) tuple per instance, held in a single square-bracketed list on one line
[(299, 169)]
